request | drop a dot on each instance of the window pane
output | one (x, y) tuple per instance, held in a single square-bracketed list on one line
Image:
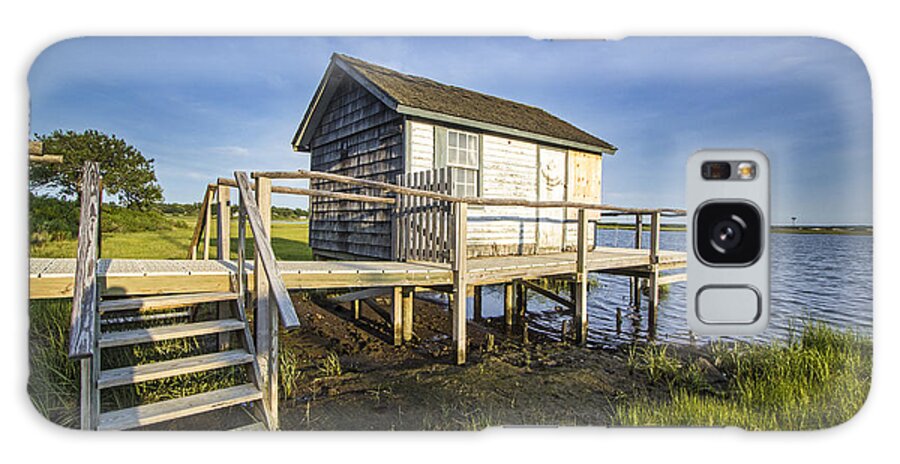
[(451, 139), (452, 156)]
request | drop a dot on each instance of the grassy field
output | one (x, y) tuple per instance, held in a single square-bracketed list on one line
[(289, 240)]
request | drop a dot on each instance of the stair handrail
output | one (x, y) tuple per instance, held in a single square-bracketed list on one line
[(202, 225), (263, 245), (83, 323)]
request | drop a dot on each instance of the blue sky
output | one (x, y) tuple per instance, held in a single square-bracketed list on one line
[(204, 107)]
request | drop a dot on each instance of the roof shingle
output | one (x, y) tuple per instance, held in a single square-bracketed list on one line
[(426, 94)]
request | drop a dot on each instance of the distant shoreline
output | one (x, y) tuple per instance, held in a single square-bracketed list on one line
[(821, 230)]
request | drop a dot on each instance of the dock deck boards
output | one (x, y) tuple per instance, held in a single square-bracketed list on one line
[(54, 277)]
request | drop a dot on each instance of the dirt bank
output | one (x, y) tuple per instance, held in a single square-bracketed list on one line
[(382, 387)]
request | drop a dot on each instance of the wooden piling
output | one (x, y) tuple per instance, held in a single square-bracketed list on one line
[(223, 223), (636, 281), (653, 299), (408, 298), (581, 281), (460, 284), (207, 228), (521, 302), (508, 304), (476, 302), (397, 315)]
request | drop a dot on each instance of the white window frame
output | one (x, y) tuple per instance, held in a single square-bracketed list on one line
[(473, 148)]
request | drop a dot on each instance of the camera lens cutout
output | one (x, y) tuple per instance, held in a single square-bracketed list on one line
[(716, 170), (728, 233)]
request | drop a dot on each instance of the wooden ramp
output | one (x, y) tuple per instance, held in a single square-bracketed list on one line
[(54, 277)]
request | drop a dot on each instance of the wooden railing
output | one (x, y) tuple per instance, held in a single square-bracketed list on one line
[(421, 225), (266, 256), (84, 326)]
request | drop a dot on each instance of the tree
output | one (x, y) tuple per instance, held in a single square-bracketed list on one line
[(127, 174)]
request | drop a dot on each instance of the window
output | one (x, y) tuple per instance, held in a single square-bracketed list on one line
[(462, 153)]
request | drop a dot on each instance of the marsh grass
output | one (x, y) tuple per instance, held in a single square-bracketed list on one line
[(816, 380)]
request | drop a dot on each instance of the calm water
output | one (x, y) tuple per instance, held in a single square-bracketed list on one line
[(821, 277)]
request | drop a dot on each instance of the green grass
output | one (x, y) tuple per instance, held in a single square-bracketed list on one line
[(289, 240), (817, 380)]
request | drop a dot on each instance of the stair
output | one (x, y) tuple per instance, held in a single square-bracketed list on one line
[(180, 407), (134, 308), (168, 332), (160, 370), (164, 301)]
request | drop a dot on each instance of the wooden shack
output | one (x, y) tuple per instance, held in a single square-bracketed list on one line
[(371, 122)]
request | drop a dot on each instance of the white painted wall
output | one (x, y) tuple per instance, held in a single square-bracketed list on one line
[(510, 169), (421, 141)]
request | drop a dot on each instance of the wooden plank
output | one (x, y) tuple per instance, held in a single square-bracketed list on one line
[(201, 219), (303, 174), (207, 227), (168, 332), (164, 369), (181, 407), (460, 284), (581, 280), (397, 315), (316, 193), (267, 256), (83, 323), (635, 281), (408, 297), (269, 289), (672, 278), (476, 303), (547, 293), (361, 294), (164, 302), (90, 392), (223, 224), (508, 304), (653, 281)]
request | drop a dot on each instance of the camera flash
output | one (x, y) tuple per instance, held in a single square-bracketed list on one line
[(746, 170)]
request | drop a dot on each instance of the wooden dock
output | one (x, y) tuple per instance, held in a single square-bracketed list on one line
[(55, 277), (430, 250)]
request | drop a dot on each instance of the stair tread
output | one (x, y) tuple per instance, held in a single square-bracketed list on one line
[(159, 370), (164, 301), (168, 332), (180, 407)]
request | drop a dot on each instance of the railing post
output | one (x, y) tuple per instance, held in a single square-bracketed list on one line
[(207, 223), (460, 281), (653, 300), (266, 319), (223, 222), (581, 281), (636, 281), (84, 324)]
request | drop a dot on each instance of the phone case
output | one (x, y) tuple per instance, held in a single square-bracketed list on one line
[(413, 233)]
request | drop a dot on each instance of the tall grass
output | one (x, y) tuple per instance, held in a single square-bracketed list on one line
[(817, 380)]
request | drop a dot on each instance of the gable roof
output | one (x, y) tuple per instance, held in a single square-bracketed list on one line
[(428, 99)]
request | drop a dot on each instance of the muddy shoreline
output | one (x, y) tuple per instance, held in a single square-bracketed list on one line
[(509, 380)]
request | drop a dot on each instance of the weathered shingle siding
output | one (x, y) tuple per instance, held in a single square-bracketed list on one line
[(359, 137)]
